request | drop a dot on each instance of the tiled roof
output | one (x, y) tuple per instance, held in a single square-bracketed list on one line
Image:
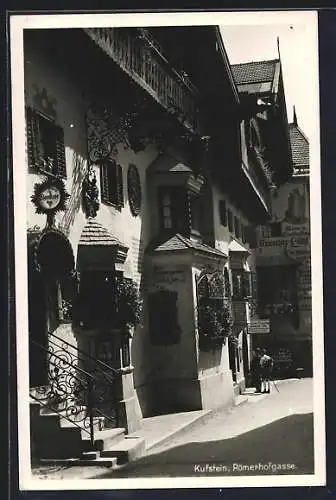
[(179, 242), (96, 234), (254, 72), (300, 147)]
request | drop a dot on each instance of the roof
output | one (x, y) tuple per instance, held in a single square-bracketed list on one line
[(235, 246), (177, 242), (300, 147), (96, 234), (254, 72)]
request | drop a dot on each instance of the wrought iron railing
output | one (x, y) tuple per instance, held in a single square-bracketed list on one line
[(136, 53), (79, 388)]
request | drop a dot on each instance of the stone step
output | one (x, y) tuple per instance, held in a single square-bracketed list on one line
[(104, 439), (127, 450)]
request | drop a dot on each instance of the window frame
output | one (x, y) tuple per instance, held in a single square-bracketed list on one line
[(180, 223), (223, 213), (35, 156), (111, 184)]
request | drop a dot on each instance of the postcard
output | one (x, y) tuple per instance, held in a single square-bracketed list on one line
[(168, 255)]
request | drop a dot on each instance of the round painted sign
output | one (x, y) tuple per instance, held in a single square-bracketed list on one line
[(50, 198)]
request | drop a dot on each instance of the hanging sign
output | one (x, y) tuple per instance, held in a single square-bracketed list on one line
[(259, 326), (49, 196)]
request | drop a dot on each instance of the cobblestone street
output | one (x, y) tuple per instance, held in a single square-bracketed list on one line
[(268, 431)]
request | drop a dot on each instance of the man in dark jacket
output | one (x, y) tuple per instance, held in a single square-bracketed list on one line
[(256, 370)]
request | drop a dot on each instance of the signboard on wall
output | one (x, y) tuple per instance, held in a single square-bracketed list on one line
[(259, 326)]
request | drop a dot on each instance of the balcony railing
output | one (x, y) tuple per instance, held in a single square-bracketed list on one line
[(136, 54)]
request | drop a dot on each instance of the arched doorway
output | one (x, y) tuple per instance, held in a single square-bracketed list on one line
[(51, 289)]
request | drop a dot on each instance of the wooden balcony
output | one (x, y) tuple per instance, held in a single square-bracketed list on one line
[(137, 55)]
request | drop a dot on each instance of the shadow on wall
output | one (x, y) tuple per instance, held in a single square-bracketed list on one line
[(74, 202), (292, 443)]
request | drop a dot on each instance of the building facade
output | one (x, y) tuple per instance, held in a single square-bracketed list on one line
[(146, 181), (284, 259)]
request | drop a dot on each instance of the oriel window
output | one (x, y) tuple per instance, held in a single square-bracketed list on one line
[(173, 209), (45, 144)]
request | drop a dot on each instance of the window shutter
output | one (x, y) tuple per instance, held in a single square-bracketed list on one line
[(104, 183), (254, 285), (60, 152), (247, 288), (163, 318), (222, 212), (119, 186), (32, 139)]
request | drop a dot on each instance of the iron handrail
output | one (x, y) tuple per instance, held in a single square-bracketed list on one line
[(69, 382), (86, 355), (87, 374), (106, 376)]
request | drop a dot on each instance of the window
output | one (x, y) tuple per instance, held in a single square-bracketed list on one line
[(111, 179), (45, 144), (173, 209), (251, 236), (237, 227), (230, 220), (243, 233), (241, 284), (223, 212), (275, 228)]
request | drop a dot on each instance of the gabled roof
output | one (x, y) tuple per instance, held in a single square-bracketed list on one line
[(300, 147), (177, 242), (96, 234), (254, 72)]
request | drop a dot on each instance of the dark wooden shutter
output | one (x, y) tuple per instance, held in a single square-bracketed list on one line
[(254, 285), (247, 286), (60, 152), (119, 186), (163, 321), (104, 182), (32, 139), (223, 212)]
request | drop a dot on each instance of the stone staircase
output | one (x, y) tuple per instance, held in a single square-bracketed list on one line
[(55, 438)]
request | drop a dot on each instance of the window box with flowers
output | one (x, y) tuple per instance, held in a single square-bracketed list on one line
[(129, 307), (214, 322)]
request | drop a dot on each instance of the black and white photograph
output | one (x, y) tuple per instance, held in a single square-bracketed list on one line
[(168, 251)]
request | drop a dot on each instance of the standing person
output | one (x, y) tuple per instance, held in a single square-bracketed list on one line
[(266, 366), (255, 370)]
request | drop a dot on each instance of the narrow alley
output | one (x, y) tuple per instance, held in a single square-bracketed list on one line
[(269, 434)]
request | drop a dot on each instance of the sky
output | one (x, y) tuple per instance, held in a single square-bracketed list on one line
[(298, 52)]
